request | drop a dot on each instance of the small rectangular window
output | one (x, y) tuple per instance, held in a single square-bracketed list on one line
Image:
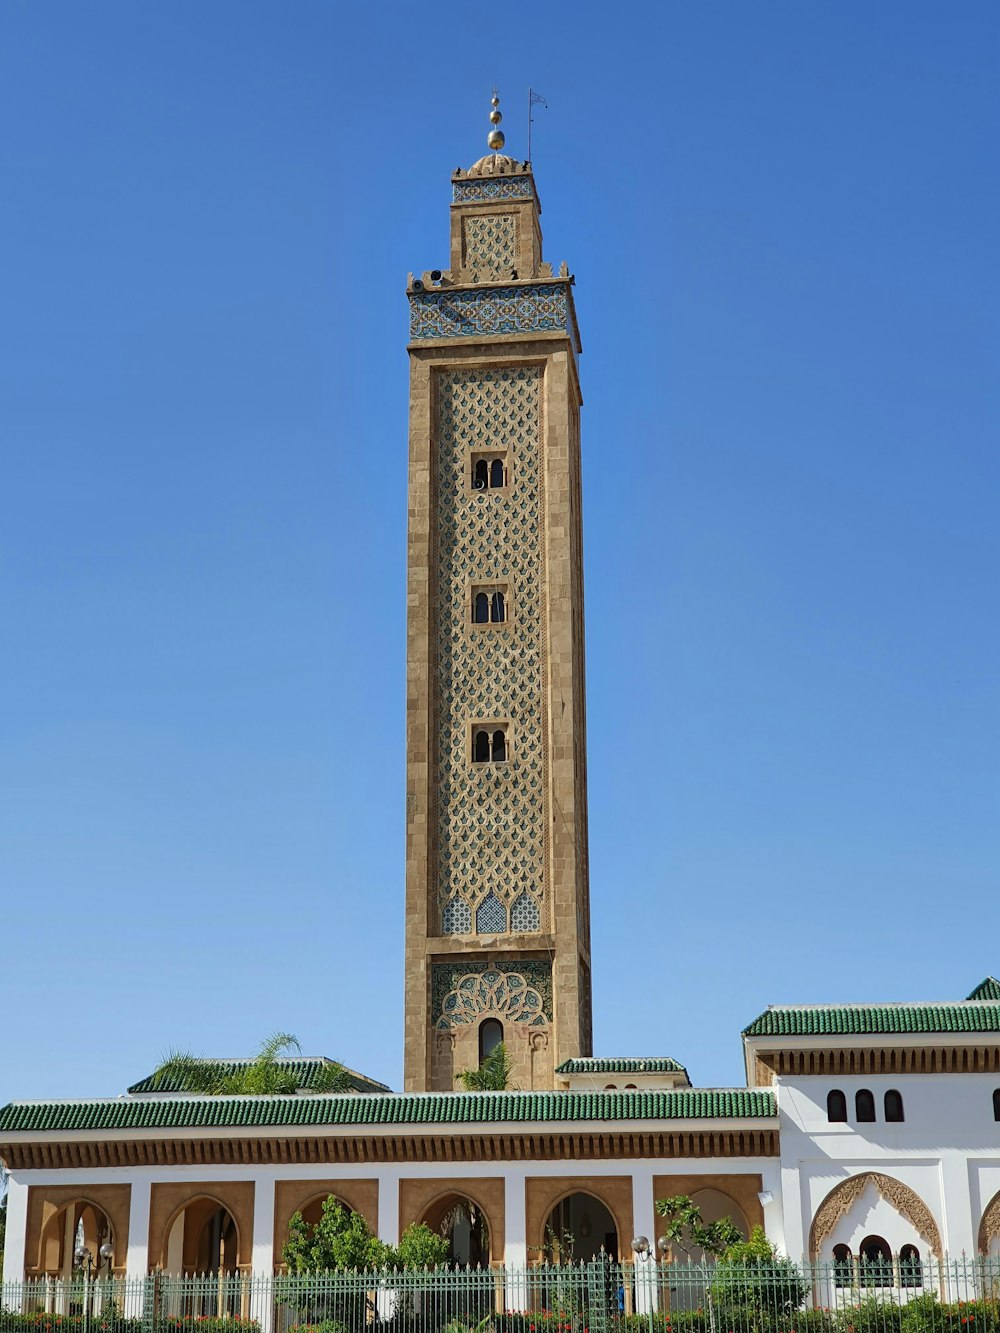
[(489, 470)]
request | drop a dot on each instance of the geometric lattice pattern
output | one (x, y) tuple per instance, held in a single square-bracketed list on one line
[(488, 819), (542, 307), (456, 919), (491, 916), (489, 240), (481, 191), (524, 914), (506, 994)]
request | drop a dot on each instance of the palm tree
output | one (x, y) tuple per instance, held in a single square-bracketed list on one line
[(493, 1075), (269, 1073)]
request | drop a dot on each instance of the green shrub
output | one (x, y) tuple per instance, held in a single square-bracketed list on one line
[(753, 1286), (872, 1315)]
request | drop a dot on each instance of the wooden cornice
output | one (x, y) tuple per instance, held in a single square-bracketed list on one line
[(866, 1059), (89, 1154)]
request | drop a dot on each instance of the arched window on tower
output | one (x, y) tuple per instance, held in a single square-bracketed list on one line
[(864, 1107), (489, 470), (836, 1107), (499, 746), (481, 747), (996, 1104), (911, 1270), (894, 1107), (490, 1037), (498, 608), (481, 609), (843, 1266)]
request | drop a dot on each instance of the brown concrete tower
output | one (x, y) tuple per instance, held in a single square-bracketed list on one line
[(497, 902)]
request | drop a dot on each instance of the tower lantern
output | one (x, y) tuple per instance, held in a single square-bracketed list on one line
[(497, 907)]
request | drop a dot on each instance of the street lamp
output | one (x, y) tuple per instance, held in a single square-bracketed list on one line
[(85, 1260), (642, 1249)]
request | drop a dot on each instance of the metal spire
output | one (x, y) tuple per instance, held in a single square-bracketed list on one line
[(495, 139)]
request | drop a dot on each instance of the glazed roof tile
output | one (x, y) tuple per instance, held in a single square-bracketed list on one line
[(988, 989), (332, 1109), (818, 1020), (626, 1064)]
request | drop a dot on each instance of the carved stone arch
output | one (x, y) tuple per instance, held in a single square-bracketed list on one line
[(423, 1201), (434, 1211), (168, 1201), (989, 1227), (46, 1204), (543, 1194), (842, 1198)]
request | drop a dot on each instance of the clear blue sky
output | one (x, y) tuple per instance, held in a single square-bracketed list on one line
[(783, 219)]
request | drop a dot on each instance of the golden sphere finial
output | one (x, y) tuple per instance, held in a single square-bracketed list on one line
[(495, 139)]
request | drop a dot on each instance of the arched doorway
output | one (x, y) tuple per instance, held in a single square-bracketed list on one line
[(466, 1227), (203, 1239), (80, 1224), (579, 1228)]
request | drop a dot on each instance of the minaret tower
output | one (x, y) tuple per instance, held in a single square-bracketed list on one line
[(497, 901)]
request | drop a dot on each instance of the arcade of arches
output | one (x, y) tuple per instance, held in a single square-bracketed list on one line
[(208, 1227)]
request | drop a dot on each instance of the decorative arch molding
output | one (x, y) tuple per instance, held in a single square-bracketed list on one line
[(542, 1193), (418, 1198), (989, 1227), (45, 1203), (842, 1198), (167, 1201)]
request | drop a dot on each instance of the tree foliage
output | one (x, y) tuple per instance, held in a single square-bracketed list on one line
[(493, 1075), (267, 1074), (684, 1227), (340, 1239), (420, 1247), (343, 1239)]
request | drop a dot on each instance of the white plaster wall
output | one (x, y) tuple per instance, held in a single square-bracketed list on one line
[(947, 1149), (872, 1215)]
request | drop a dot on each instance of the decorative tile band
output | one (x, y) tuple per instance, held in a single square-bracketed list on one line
[(442, 313), (487, 189)]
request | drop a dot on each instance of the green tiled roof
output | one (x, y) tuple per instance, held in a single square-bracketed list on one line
[(325, 1109), (819, 1020), (988, 989), (306, 1067), (626, 1064)]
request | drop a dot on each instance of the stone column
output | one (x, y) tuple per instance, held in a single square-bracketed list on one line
[(137, 1255)]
